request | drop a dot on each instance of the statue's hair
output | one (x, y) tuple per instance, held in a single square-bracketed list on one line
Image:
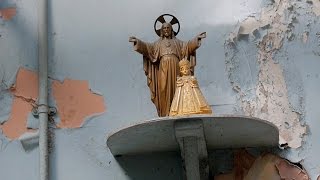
[(184, 62), (172, 32)]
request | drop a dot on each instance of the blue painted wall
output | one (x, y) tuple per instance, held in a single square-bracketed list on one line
[(88, 40)]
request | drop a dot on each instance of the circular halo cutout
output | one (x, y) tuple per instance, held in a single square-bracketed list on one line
[(162, 19)]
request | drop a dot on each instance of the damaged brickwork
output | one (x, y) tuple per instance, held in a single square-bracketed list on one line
[(269, 96)]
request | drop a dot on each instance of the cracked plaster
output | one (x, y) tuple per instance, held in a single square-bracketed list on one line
[(270, 100)]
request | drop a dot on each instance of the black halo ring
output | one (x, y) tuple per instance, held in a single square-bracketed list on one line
[(162, 20)]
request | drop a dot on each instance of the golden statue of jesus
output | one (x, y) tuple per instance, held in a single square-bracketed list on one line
[(160, 62)]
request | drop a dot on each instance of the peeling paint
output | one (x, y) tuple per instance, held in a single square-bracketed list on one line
[(75, 102), (271, 96), (25, 92), (315, 6), (249, 25), (8, 13), (17, 123)]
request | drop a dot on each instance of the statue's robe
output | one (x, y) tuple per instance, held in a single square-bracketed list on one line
[(188, 98), (160, 62)]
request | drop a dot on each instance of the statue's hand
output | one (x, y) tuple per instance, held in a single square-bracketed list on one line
[(202, 35), (133, 39)]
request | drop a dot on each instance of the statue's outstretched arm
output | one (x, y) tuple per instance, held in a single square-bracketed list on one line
[(139, 46), (194, 44)]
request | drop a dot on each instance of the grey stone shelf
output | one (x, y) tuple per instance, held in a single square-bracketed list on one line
[(193, 136)]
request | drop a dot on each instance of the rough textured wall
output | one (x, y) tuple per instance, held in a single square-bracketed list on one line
[(260, 58)]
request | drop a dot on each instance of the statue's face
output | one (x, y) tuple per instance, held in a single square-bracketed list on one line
[(185, 70), (167, 29)]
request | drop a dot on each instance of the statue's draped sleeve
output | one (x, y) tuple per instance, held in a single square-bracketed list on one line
[(189, 51), (150, 52)]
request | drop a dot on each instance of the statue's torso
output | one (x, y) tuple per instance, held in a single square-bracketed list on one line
[(169, 47)]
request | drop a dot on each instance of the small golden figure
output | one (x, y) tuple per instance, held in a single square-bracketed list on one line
[(188, 98)]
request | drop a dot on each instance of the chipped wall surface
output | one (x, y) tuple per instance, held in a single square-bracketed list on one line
[(75, 102), (25, 93), (260, 58)]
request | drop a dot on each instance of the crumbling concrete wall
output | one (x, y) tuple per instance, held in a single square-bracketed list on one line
[(260, 58)]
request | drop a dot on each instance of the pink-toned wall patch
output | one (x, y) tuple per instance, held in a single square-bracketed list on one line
[(25, 93), (17, 122), (75, 102), (8, 13)]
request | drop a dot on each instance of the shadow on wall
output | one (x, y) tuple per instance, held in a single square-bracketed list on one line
[(153, 166)]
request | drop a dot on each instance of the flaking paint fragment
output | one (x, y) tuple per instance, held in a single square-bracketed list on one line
[(271, 96), (315, 6), (75, 102), (8, 13), (249, 25), (25, 92)]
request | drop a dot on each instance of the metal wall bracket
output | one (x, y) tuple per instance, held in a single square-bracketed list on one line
[(191, 139), (39, 109)]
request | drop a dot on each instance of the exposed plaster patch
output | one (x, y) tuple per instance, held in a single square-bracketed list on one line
[(271, 96), (8, 13), (17, 123), (249, 25), (75, 102), (315, 6), (25, 93)]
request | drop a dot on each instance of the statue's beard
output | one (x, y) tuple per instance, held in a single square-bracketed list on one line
[(166, 35)]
